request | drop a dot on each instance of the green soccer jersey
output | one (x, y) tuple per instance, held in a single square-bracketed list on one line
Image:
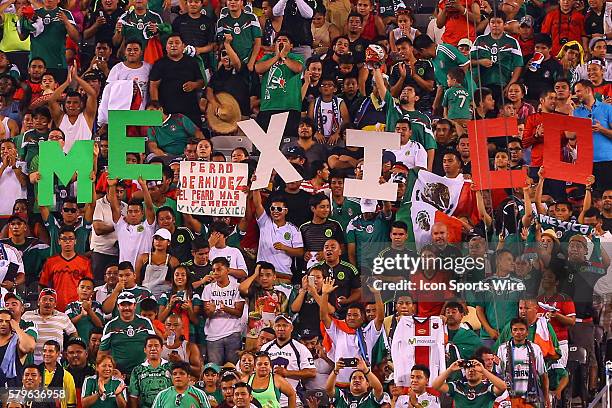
[(125, 341), (458, 102), (344, 399), (465, 396), (192, 397), (173, 134), (34, 253), (106, 400), (82, 232), (447, 58), (50, 44), (31, 329), (84, 325), (500, 301), (147, 381), (504, 53), (244, 30), (137, 27), (368, 237), (346, 212), (420, 123), (280, 86)]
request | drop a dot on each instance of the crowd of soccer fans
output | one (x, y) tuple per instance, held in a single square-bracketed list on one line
[(126, 301)]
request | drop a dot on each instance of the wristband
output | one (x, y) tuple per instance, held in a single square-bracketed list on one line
[(366, 374)]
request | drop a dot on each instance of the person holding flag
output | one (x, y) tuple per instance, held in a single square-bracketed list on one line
[(348, 338)]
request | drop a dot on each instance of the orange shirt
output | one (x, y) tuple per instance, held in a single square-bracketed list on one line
[(63, 275), (457, 26), (563, 26)]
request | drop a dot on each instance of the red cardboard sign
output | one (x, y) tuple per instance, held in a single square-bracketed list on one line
[(554, 135), (484, 178)]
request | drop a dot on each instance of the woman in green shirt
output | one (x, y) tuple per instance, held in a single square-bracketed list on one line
[(267, 387), (103, 390)]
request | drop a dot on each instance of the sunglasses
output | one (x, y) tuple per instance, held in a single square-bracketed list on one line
[(277, 209), (70, 210)]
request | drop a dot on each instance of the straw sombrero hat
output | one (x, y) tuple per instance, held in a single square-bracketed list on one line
[(225, 119)]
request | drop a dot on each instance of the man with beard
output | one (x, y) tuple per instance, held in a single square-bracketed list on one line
[(123, 336), (420, 123), (78, 365), (312, 151), (331, 61), (439, 239), (36, 69)]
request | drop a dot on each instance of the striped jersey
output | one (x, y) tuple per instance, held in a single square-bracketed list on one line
[(418, 340)]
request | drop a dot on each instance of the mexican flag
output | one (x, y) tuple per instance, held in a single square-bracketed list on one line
[(440, 192), (430, 198), (424, 216)]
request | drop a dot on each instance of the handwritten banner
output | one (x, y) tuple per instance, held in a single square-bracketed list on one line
[(212, 188)]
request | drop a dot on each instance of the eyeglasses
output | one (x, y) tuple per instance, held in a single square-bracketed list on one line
[(277, 209), (178, 400), (70, 210)]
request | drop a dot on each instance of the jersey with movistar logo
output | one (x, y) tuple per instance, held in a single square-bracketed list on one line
[(50, 44), (147, 381), (191, 398), (136, 27), (466, 396), (244, 30), (504, 53), (125, 341)]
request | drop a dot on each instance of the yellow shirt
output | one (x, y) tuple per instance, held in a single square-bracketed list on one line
[(10, 39), (70, 400)]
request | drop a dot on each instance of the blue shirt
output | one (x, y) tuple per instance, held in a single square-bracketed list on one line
[(602, 113)]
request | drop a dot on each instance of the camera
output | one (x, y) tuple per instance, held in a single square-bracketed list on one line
[(349, 362), (466, 364)]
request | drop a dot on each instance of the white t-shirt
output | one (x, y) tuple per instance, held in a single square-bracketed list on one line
[(287, 357), (269, 233), (346, 346), (140, 75), (105, 244), (222, 324), (133, 239), (11, 188), (233, 256), (412, 154), (425, 399)]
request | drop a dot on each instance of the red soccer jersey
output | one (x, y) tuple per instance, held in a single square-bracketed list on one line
[(566, 307), (63, 275), (431, 293)]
